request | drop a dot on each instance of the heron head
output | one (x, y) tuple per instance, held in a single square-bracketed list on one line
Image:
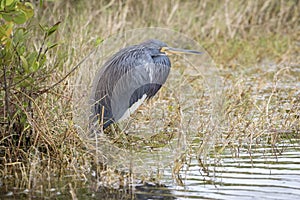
[(163, 49), (155, 46)]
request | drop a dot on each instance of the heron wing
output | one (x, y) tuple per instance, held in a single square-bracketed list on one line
[(113, 82)]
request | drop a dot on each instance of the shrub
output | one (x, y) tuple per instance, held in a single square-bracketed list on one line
[(24, 70)]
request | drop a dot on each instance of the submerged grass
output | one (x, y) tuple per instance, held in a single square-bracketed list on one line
[(255, 45)]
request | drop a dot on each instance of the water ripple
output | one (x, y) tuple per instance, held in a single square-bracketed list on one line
[(259, 175)]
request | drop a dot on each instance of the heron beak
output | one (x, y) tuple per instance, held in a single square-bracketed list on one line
[(171, 50)]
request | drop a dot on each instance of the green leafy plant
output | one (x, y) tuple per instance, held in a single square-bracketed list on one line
[(24, 68)]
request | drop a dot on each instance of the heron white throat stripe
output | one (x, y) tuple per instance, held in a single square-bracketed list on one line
[(133, 108)]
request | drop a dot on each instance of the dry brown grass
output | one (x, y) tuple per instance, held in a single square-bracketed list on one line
[(254, 43)]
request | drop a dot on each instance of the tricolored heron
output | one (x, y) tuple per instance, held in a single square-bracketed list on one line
[(132, 75)]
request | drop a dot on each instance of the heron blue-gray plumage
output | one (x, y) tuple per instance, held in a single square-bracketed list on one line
[(130, 76)]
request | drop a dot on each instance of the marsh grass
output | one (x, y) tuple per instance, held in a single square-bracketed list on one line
[(255, 45)]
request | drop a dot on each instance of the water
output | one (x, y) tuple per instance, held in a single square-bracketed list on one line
[(263, 175), (267, 173)]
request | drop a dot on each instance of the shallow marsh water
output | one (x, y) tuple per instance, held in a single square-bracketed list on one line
[(269, 172), (264, 174)]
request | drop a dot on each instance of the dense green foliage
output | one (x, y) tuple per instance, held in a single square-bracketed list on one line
[(24, 69)]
